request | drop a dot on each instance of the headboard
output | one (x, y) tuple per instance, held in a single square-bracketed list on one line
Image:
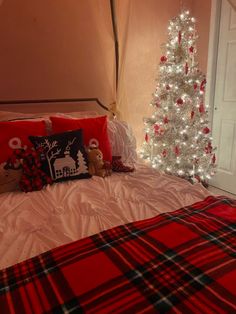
[(57, 105)]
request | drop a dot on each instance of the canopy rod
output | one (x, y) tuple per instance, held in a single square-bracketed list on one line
[(114, 26), (39, 101)]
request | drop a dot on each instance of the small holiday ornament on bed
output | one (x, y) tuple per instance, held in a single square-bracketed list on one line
[(177, 136), (63, 155)]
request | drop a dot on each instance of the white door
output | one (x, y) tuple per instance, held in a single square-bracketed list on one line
[(224, 117)]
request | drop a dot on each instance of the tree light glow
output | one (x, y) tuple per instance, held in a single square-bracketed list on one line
[(179, 140)]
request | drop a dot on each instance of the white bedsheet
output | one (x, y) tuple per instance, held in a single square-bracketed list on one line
[(36, 222)]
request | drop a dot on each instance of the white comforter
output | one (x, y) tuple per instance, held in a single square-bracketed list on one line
[(36, 222)]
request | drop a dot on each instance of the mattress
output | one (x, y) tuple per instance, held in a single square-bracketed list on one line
[(32, 223)]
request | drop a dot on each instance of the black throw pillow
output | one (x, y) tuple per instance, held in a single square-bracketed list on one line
[(63, 155)]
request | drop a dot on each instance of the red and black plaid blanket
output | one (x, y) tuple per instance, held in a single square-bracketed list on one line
[(180, 262)]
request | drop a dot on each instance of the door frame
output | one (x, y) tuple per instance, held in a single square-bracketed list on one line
[(212, 56)]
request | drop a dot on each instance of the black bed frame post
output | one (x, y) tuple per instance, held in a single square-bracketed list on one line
[(115, 33)]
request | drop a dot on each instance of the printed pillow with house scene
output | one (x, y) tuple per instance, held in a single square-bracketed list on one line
[(63, 155)]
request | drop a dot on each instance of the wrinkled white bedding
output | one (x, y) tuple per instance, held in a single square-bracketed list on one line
[(36, 222)]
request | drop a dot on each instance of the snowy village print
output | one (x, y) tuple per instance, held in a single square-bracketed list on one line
[(64, 161)]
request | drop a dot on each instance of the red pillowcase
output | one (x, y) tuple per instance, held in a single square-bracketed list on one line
[(14, 134), (94, 131)]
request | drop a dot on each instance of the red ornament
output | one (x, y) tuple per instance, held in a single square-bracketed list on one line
[(179, 101), (177, 151), (202, 86), (179, 37), (192, 114), (146, 137), (186, 68), (195, 86), (206, 130), (165, 120), (164, 153), (168, 87), (163, 59), (191, 49), (213, 159)]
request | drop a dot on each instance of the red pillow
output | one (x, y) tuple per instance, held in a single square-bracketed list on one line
[(14, 134), (94, 131)]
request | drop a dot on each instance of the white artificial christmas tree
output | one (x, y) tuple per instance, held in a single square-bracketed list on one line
[(177, 136)]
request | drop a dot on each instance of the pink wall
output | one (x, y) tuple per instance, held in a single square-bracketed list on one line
[(56, 49), (202, 12)]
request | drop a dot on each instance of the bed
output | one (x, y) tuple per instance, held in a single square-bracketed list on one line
[(130, 242)]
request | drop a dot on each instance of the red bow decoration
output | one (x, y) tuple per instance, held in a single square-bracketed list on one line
[(156, 128), (177, 151), (202, 86), (186, 68), (201, 108), (179, 37), (164, 153), (165, 120), (208, 148), (213, 159)]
